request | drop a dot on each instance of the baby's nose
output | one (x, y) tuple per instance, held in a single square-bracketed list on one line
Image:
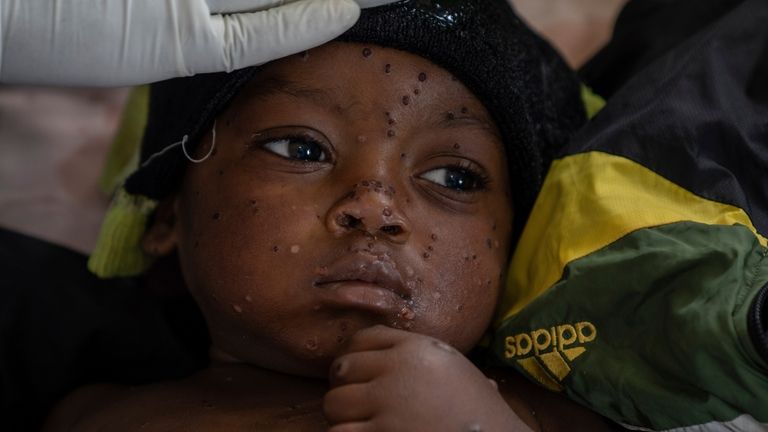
[(369, 208)]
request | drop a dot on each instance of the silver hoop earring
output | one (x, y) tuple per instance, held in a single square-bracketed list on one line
[(210, 151)]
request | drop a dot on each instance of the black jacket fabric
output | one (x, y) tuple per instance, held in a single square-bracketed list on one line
[(646, 30)]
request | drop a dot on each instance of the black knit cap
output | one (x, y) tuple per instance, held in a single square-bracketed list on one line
[(532, 95)]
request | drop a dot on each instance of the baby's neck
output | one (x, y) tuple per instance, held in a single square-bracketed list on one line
[(221, 359), (264, 395)]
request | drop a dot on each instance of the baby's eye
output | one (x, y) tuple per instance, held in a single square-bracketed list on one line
[(456, 178), (297, 148)]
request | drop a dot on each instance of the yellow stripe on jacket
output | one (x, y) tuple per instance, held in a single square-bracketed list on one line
[(590, 200)]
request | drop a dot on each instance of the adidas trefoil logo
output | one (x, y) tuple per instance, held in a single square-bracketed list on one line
[(543, 352)]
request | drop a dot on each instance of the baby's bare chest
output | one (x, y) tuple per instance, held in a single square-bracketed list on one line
[(238, 400)]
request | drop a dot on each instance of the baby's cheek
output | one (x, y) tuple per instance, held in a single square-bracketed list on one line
[(212, 229), (243, 246), (466, 278), (482, 267)]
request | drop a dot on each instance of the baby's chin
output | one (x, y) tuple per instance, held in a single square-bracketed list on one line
[(304, 357)]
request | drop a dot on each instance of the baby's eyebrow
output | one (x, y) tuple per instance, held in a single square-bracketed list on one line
[(452, 119), (447, 120)]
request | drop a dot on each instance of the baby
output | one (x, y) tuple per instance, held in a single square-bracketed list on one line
[(344, 220)]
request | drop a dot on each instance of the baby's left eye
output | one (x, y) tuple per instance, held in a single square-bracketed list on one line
[(297, 148), (455, 178)]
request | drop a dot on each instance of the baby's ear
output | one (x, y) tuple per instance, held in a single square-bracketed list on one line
[(160, 237)]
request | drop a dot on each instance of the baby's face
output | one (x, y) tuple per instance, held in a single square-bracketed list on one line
[(350, 186)]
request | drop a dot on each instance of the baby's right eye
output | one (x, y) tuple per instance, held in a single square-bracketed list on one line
[(300, 148)]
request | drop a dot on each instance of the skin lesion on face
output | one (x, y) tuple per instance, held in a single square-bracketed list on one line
[(320, 232)]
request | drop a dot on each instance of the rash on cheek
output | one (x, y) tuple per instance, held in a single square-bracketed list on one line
[(463, 281)]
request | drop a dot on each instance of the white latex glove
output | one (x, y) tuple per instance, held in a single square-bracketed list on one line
[(127, 42)]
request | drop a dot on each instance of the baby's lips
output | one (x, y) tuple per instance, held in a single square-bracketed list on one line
[(364, 267), (357, 295)]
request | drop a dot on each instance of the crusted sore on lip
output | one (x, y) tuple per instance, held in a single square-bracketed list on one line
[(364, 281)]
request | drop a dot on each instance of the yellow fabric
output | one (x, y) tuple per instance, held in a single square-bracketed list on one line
[(593, 103), (123, 156), (118, 251), (590, 200)]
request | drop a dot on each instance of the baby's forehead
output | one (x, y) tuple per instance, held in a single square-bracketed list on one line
[(352, 77)]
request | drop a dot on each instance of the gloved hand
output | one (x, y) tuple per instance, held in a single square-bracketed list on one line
[(127, 42)]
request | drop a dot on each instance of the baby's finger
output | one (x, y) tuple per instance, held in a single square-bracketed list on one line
[(375, 338), (359, 367), (348, 404)]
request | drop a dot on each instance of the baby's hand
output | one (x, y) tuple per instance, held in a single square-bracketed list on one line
[(393, 380)]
